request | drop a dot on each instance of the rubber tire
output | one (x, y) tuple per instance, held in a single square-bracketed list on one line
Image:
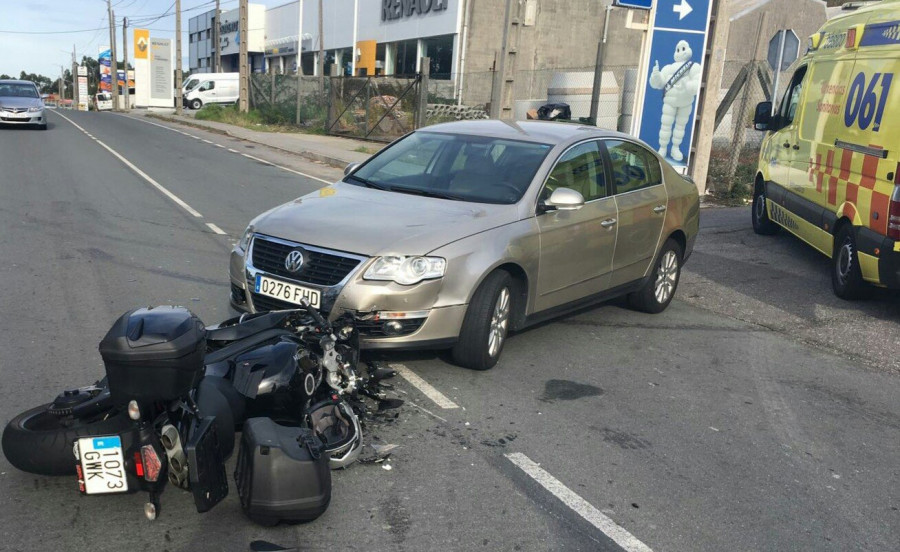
[(471, 350), (854, 287), (762, 225), (196, 104), (644, 299), (49, 452)]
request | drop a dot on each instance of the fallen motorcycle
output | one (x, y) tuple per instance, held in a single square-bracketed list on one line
[(174, 394)]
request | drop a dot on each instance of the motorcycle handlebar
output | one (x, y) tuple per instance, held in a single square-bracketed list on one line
[(323, 324)]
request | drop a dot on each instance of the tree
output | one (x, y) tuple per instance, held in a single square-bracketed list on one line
[(43, 83)]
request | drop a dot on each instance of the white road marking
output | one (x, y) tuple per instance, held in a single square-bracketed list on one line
[(216, 229), (282, 167), (206, 141), (426, 411), (141, 173), (439, 398), (582, 507)]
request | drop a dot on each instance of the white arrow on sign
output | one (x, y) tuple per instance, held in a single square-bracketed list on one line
[(682, 9)]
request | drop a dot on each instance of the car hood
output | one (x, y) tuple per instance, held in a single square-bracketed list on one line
[(15, 101), (373, 222)]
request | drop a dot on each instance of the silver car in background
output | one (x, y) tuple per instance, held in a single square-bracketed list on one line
[(21, 104), (458, 233)]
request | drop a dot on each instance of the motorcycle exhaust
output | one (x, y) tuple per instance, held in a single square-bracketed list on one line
[(178, 468)]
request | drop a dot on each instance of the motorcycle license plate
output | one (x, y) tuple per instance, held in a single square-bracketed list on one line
[(284, 291), (102, 465)]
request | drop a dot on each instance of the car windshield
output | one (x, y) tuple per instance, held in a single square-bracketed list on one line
[(460, 167), (18, 90)]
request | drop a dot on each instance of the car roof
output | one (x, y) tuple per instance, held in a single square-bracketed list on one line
[(16, 81), (544, 132)]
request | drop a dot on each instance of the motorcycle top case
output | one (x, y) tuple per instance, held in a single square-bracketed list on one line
[(154, 353), (282, 473)]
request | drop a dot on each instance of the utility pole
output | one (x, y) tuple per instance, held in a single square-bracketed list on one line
[(321, 64), (244, 99), (178, 100), (598, 70), (62, 83), (125, 55), (113, 65), (500, 84), (75, 97), (217, 59)]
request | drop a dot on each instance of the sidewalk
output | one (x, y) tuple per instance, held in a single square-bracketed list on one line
[(331, 150)]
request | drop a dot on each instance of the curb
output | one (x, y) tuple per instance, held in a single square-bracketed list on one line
[(311, 155)]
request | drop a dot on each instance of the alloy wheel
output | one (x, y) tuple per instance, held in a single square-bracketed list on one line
[(499, 323), (666, 277)]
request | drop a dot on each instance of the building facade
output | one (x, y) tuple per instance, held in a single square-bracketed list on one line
[(202, 47)]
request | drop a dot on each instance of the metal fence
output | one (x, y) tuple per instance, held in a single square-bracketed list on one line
[(384, 108)]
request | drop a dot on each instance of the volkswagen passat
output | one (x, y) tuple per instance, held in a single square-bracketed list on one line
[(457, 234), (20, 104)]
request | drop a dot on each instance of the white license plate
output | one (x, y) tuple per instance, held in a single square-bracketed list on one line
[(102, 465), (284, 291)]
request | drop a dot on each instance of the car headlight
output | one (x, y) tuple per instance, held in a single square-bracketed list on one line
[(244, 242), (406, 270), (34, 109)]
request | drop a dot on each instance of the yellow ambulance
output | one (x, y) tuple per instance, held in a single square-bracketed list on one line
[(829, 168)]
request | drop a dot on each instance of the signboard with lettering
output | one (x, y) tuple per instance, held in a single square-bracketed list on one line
[(401, 9), (161, 87), (671, 84)]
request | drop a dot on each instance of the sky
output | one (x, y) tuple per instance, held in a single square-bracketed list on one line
[(37, 36)]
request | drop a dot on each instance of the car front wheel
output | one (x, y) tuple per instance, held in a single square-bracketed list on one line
[(759, 215), (196, 104), (486, 324), (846, 275)]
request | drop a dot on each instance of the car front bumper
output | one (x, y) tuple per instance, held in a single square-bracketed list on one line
[(23, 118), (389, 315)]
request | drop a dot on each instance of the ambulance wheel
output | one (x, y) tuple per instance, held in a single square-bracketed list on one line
[(761, 223), (846, 276)]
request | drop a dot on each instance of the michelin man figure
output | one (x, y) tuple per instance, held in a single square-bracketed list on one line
[(680, 83)]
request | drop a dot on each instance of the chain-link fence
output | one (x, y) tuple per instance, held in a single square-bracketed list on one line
[(735, 148), (384, 108)]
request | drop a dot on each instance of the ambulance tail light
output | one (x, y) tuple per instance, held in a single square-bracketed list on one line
[(893, 230)]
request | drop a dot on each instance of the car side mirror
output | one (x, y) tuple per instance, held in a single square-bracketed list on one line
[(349, 169), (564, 199), (762, 118)]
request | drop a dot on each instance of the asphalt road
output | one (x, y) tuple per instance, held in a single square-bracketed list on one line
[(756, 413)]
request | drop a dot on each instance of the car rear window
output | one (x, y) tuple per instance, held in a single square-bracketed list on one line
[(454, 166)]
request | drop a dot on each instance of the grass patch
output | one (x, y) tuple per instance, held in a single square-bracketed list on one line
[(266, 118), (364, 149)]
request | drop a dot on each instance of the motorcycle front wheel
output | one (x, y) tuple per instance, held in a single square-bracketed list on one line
[(39, 441)]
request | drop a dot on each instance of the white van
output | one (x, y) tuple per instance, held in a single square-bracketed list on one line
[(213, 88), (103, 101)]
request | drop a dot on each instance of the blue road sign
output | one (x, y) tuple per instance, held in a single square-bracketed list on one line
[(636, 4), (672, 81)]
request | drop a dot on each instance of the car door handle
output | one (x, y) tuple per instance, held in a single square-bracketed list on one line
[(659, 209), (608, 222), (796, 146), (786, 145)]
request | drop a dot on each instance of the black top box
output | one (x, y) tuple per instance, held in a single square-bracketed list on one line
[(154, 353)]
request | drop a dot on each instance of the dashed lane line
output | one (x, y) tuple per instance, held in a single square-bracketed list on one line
[(181, 203), (216, 229), (282, 167), (426, 388), (582, 507)]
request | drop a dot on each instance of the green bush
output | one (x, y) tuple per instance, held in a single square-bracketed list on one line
[(210, 112)]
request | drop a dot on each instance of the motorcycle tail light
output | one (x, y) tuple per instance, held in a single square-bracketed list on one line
[(151, 464), (138, 464)]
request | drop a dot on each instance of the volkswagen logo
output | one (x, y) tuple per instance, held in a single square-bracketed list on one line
[(294, 261)]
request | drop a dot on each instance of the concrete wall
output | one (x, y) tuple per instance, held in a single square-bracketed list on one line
[(564, 35), (803, 16)]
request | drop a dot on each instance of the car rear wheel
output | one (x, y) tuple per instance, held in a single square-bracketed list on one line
[(760, 216), (846, 275), (486, 324), (657, 292)]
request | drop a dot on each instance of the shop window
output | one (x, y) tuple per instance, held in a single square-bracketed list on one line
[(405, 60), (308, 63), (440, 50)]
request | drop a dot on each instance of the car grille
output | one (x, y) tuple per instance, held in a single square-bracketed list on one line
[(263, 303), (321, 269), (15, 109)]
